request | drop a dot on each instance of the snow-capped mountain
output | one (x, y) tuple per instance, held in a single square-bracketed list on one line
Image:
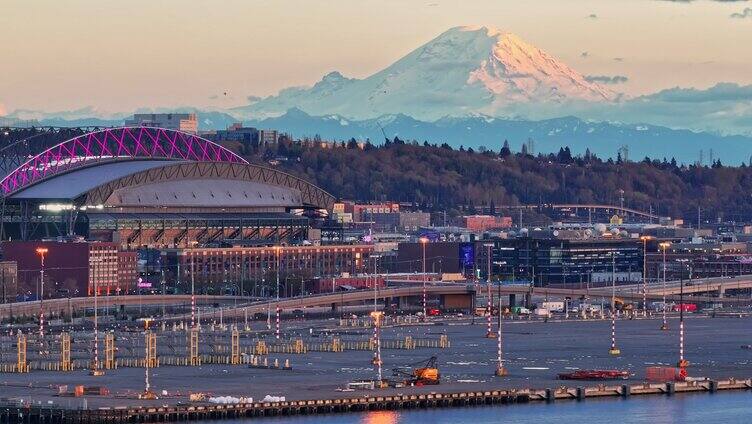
[(464, 71)]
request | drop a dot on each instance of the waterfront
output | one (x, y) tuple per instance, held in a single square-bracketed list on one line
[(534, 353), (727, 408)]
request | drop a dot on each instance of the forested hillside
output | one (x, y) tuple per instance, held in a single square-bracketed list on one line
[(441, 177)]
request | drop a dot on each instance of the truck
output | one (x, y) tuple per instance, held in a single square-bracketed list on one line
[(554, 306), (542, 312), (686, 307), (520, 310)]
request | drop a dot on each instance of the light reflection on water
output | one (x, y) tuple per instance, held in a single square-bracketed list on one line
[(727, 408), (381, 417)]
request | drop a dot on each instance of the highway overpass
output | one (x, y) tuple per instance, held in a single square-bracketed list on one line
[(238, 306)]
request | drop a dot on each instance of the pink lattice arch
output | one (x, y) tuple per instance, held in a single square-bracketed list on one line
[(115, 144)]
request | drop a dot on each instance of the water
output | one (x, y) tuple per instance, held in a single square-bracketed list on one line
[(703, 408)]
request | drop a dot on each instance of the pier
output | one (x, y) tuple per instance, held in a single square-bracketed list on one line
[(117, 415)]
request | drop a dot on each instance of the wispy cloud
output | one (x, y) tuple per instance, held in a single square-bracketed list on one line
[(716, 1), (605, 79), (746, 13), (721, 92)]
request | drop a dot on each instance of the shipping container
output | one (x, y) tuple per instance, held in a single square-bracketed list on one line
[(663, 374)]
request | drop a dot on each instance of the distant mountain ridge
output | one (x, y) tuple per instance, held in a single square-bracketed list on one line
[(602, 138), (465, 70)]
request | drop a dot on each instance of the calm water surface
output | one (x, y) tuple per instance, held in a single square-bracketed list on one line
[(726, 408)]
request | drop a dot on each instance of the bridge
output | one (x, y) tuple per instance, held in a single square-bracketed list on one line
[(64, 305), (718, 285), (590, 207), (464, 294)]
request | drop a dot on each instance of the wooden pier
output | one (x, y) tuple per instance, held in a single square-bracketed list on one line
[(120, 415)]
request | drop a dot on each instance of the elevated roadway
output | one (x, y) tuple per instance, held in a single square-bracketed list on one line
[(238, 306), (717, 285)]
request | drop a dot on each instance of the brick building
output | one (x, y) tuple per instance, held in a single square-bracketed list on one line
[(70, 268)]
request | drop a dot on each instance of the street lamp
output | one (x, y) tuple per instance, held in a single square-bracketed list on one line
[(423, 242), (277, 250), (489, 301), (644, 274), (683, 363), (41, 251), (377, 315), (193, 284), (664, 245), (613, 350)]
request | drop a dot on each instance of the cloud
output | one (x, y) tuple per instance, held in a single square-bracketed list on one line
[(716, 1), (721, 92), (746, 13), (605, 79)]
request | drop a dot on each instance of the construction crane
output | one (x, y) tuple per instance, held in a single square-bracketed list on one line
[(420, 373)]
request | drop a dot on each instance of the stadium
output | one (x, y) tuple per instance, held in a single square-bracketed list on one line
[(144, 187)]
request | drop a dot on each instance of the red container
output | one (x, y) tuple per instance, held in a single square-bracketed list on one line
[(664, 374)]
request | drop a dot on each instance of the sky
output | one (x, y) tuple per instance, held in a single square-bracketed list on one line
[(116, 56)]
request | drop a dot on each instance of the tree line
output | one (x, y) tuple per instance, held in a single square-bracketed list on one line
[(439, 177)]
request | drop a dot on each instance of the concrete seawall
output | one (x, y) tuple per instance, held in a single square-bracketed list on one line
[(40, 414)]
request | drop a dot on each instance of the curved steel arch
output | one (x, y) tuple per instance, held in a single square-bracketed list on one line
[(311, 195), (115, 144)]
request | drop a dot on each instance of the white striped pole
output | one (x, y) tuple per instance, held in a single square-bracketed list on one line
[(681, 342), (277, 330), (489, 312)]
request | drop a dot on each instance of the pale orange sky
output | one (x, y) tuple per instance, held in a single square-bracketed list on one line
[(119, 55)]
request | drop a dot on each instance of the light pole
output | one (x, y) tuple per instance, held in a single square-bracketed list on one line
[(41, 251), (644, 274), (664, 245), (501, 371), (423, 242), (276, 333), (613, 350), (489, 301), (193, 286), (95, 370), (377, 315), (683, 363)]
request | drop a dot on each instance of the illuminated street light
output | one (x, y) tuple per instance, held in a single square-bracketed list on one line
[(664, 245), (423, 242), (377, 315), (489, 296), (644, 275), (41, 251)]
